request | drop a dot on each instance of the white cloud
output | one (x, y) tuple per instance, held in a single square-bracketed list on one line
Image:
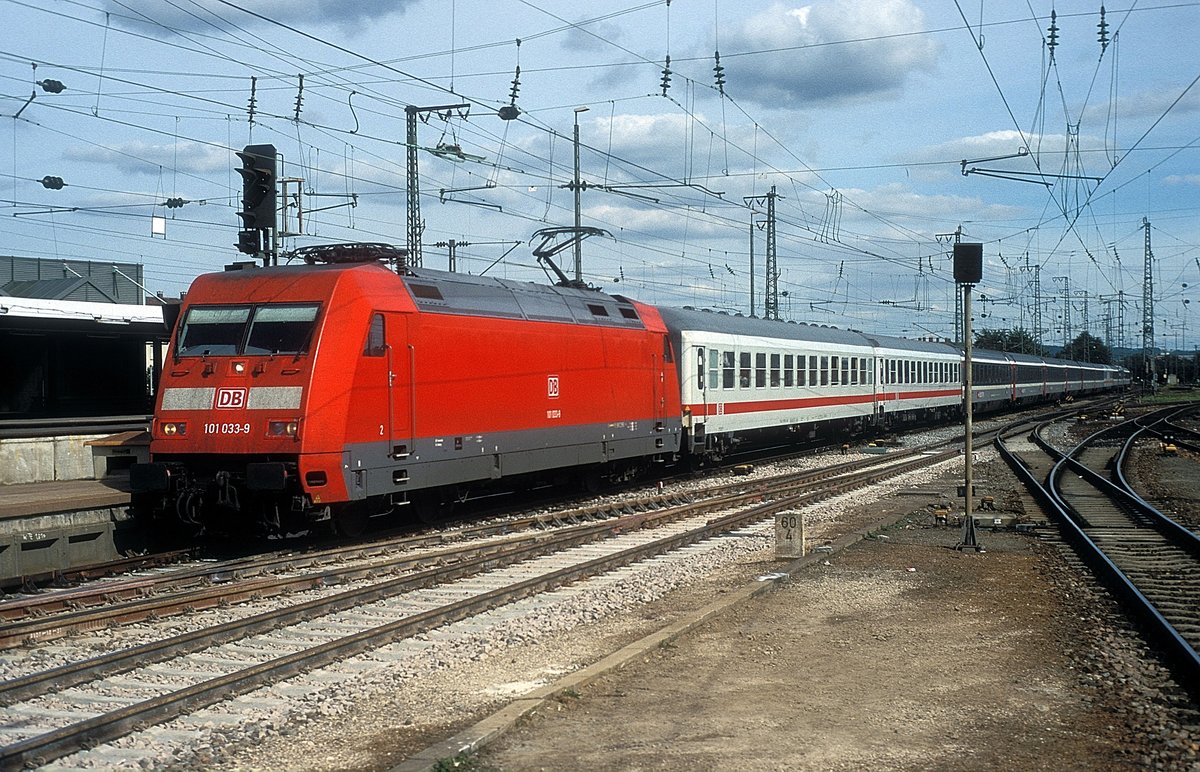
[(159, 18), (154, 158), (807, 54)]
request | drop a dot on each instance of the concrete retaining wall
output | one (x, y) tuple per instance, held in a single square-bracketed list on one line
[(44, 460)]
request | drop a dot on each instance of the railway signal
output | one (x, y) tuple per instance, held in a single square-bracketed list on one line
[(259, 195)]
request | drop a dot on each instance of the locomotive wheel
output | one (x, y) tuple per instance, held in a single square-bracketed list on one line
[(593, 481), (431, 507), (350, 520)]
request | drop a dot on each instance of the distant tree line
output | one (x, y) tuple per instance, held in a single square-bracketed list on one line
[(1085, 348)]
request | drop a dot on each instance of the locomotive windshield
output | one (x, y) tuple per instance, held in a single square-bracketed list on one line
[(239, 330)]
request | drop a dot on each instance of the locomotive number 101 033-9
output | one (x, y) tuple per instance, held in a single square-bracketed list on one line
[(227, 428)]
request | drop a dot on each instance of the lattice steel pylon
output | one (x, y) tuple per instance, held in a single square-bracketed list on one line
[(1148, 309), (414, 187), (772, 300), (416, 226), (771, 303)]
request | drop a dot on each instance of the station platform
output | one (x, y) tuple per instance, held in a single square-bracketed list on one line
[(47, 528), (49, 498)]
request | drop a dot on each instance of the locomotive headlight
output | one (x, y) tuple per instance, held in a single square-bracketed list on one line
[(239, 367), (174, 427), (283, 428)]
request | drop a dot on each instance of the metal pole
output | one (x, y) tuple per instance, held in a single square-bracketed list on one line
[(576, 187), (969, 540), (751, 262)]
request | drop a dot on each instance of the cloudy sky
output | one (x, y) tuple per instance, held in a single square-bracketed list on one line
[(861, 115)]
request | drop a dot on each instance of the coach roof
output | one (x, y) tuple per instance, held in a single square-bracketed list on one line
[(690, 319)]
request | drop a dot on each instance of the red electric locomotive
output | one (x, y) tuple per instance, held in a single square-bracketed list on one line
[(335, 391)]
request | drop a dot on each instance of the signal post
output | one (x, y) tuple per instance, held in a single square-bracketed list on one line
[(968, 270)]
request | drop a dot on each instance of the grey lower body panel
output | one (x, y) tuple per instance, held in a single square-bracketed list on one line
[(372, 470)]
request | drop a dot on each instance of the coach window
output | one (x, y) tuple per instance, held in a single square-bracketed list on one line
[(744, 369), (801, 370), (727, 370), (824, 371), (714, 368), (789, 370), (760, 370), (853, 371), (812, 371), (845, 371), (864, 371), (776, 382), (376, 340), (833, 371)]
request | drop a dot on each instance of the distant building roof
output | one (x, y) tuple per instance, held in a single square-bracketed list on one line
[(66, 288), (68, 279), (104, 313)]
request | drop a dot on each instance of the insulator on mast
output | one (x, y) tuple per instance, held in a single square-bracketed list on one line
[(253, 97), (1052, 38), (719, 73)]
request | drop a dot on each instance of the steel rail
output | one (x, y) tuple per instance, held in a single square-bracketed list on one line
[(1179, 654)]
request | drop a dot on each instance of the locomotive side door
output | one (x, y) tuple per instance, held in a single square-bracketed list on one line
[(378, 412)]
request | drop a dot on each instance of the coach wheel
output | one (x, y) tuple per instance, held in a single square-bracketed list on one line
[(350, 520)]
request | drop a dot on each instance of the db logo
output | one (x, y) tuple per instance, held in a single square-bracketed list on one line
[(230, 399), (552, 386)]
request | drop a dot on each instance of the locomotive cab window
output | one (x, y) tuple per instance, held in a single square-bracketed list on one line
[(275, 328), (281, 329), (212, 331)]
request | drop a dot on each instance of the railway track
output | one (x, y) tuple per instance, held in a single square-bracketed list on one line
[(56, 711), (1150, 562), (54, 613)]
